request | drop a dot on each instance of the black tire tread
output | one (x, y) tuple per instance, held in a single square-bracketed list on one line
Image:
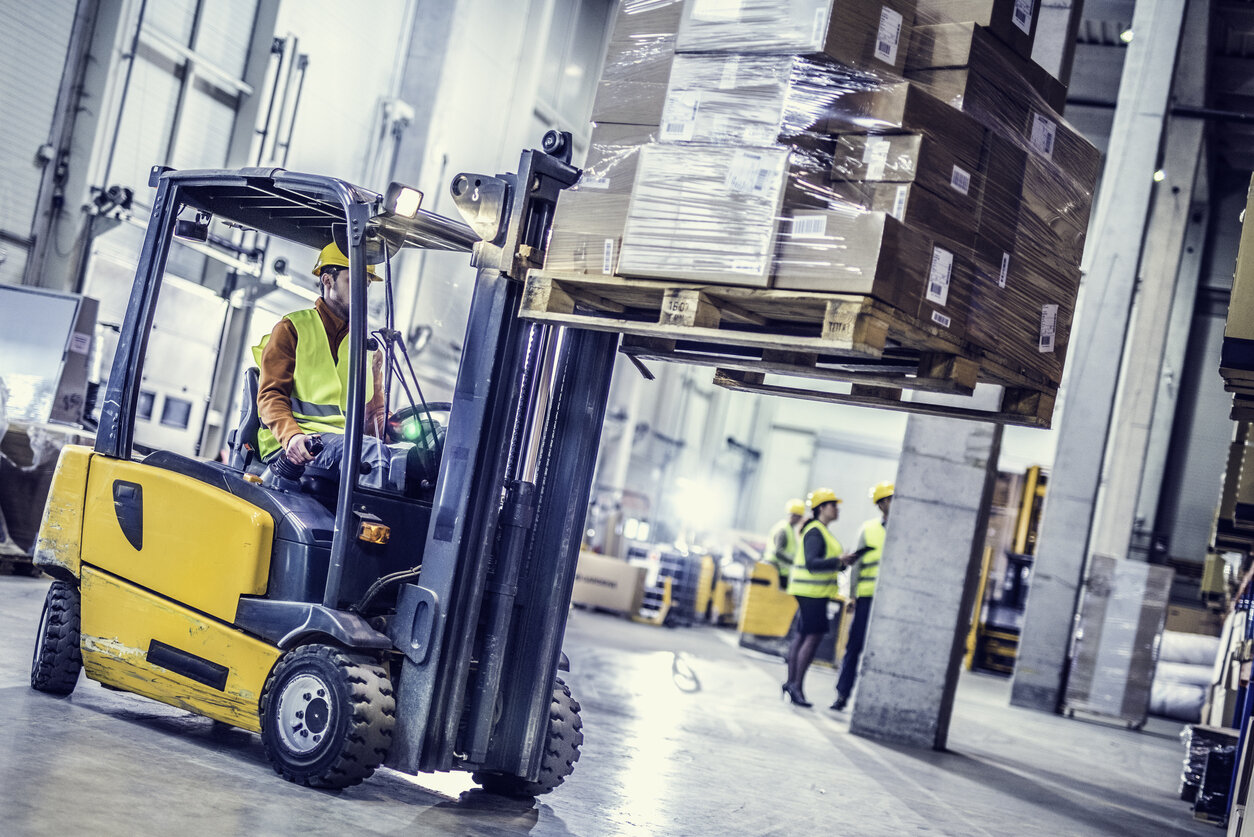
[(560, 753), (368, 737), (58, 659)]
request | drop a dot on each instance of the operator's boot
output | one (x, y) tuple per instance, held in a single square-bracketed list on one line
[(840, 703)]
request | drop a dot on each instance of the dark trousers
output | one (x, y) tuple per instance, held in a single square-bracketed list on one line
[(853, 646)]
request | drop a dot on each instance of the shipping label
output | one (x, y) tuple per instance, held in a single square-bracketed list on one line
[(809, 226), (899, 203), (1005, 270), (889, 36), (940, 319), (960, 180), (731, 73), (598, 183), (1044, 130), (818, 32), (607, 257), (939, 274), (875, 157), (716, 11), (1023, 16), (749, 172), (679, 118), (1049, 327), (80, 343)]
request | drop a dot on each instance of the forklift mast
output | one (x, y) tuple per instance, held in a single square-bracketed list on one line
[(481, 630)]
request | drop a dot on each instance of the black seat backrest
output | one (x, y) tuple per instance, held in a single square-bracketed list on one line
[(242, 441)]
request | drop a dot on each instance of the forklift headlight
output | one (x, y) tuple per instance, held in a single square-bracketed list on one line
[(373, 532), (402, 200)]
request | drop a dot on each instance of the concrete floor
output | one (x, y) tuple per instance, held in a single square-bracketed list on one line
[(685, 735)]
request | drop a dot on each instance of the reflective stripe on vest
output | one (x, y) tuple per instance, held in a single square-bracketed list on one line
[(869, 569), (783, 562), (820, 585), (319, 383)]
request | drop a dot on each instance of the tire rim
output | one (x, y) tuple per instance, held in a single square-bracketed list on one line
[(305, 713), (42, 636)]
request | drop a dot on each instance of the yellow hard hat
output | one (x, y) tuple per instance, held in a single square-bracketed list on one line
[(881, 490), (819, 496), (333, 256), (795, 506)]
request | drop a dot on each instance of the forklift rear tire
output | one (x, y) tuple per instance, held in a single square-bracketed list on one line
[(560, 755), (58, 658), (327, 716)]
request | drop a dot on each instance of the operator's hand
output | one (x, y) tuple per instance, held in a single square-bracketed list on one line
[(297, 450), (377, 366), (849, 558)]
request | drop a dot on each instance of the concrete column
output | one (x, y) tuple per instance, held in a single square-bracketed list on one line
[(927, 581), (1098, 338)]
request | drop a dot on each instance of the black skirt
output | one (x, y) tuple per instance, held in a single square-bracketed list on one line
[(813, 614)]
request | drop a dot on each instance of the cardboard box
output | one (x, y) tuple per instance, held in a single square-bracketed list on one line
[(587, 232), (1194, 620), (900, 107), (867, 34), (1237, 354), (638, 57), (1012, 21), (849, 250), (613, 157), (914, 206), (705, 214), (608, 583), (908, 158)]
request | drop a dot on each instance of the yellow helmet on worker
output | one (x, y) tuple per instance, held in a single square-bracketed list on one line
[(795, 506), (819, 496), (333, 256), (881, 490)]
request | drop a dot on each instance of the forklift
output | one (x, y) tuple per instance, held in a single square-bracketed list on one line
[(412, 619)]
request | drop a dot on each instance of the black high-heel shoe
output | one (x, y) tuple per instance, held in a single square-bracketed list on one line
[(793, 693)]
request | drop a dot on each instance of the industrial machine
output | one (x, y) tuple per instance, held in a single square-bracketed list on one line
[(413, 618)]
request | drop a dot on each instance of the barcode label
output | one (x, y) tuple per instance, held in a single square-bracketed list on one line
[(679, 116), (746, 266), (875, 157), (889, 35), (607, 257), (1005, 270), (1049, 326), (940, 319), (899, 203), (586, 182), (731, 70), (716, 10), (747, 172), (1023, 16), (939, 274), (80, 343), (960, 180), (819, 30), (809, 226), (1044, 131)]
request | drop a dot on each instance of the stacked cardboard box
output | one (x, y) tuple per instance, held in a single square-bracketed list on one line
[(1236, 362)]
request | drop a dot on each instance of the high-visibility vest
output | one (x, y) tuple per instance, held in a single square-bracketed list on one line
[(319, 383), (783, 561), (869, 568), (820, 585)]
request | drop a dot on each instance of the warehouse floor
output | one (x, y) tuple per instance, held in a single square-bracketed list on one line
[(685, 735)]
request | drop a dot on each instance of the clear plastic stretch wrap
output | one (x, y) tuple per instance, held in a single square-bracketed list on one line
[(638, 60), (957, 195), (1200, 743)]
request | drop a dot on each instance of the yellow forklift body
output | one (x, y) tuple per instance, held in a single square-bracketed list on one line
[(124, 628), (187, 541), (767, 610), (59, 544)]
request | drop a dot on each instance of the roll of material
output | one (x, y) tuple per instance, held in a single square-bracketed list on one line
[(1181, 701), (1196, 649), (1182, 673)]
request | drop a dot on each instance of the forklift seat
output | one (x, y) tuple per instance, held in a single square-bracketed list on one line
[(242, 441)]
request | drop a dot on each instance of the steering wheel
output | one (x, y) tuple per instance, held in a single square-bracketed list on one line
[(418, 424)]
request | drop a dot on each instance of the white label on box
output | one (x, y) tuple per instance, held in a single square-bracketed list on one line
[(715, 10), (758, 135), (586, 182), (607, 257), (1023, 16), (940, 319), (1044, 130), (1049, 326), (819, 30), (80, 344), (938, 276), (731, 73), (809, 226), (1005, 270), (889, 36), (748, 172), (960, 180), (899, 203), (875, 157), (746, 266), (679, 117)]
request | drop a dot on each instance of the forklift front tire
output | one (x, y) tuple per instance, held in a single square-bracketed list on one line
[(560, 752), (58, 658), (327, 717)]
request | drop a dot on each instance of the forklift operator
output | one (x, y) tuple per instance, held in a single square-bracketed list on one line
[(303, 386)]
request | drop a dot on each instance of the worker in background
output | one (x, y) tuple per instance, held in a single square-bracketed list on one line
[(303, 387), (865, 573), (781, 549), (813, 580)]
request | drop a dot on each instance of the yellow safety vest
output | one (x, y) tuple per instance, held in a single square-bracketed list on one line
[(869, 568), (319, 383), (783, 562), (820, 585)]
